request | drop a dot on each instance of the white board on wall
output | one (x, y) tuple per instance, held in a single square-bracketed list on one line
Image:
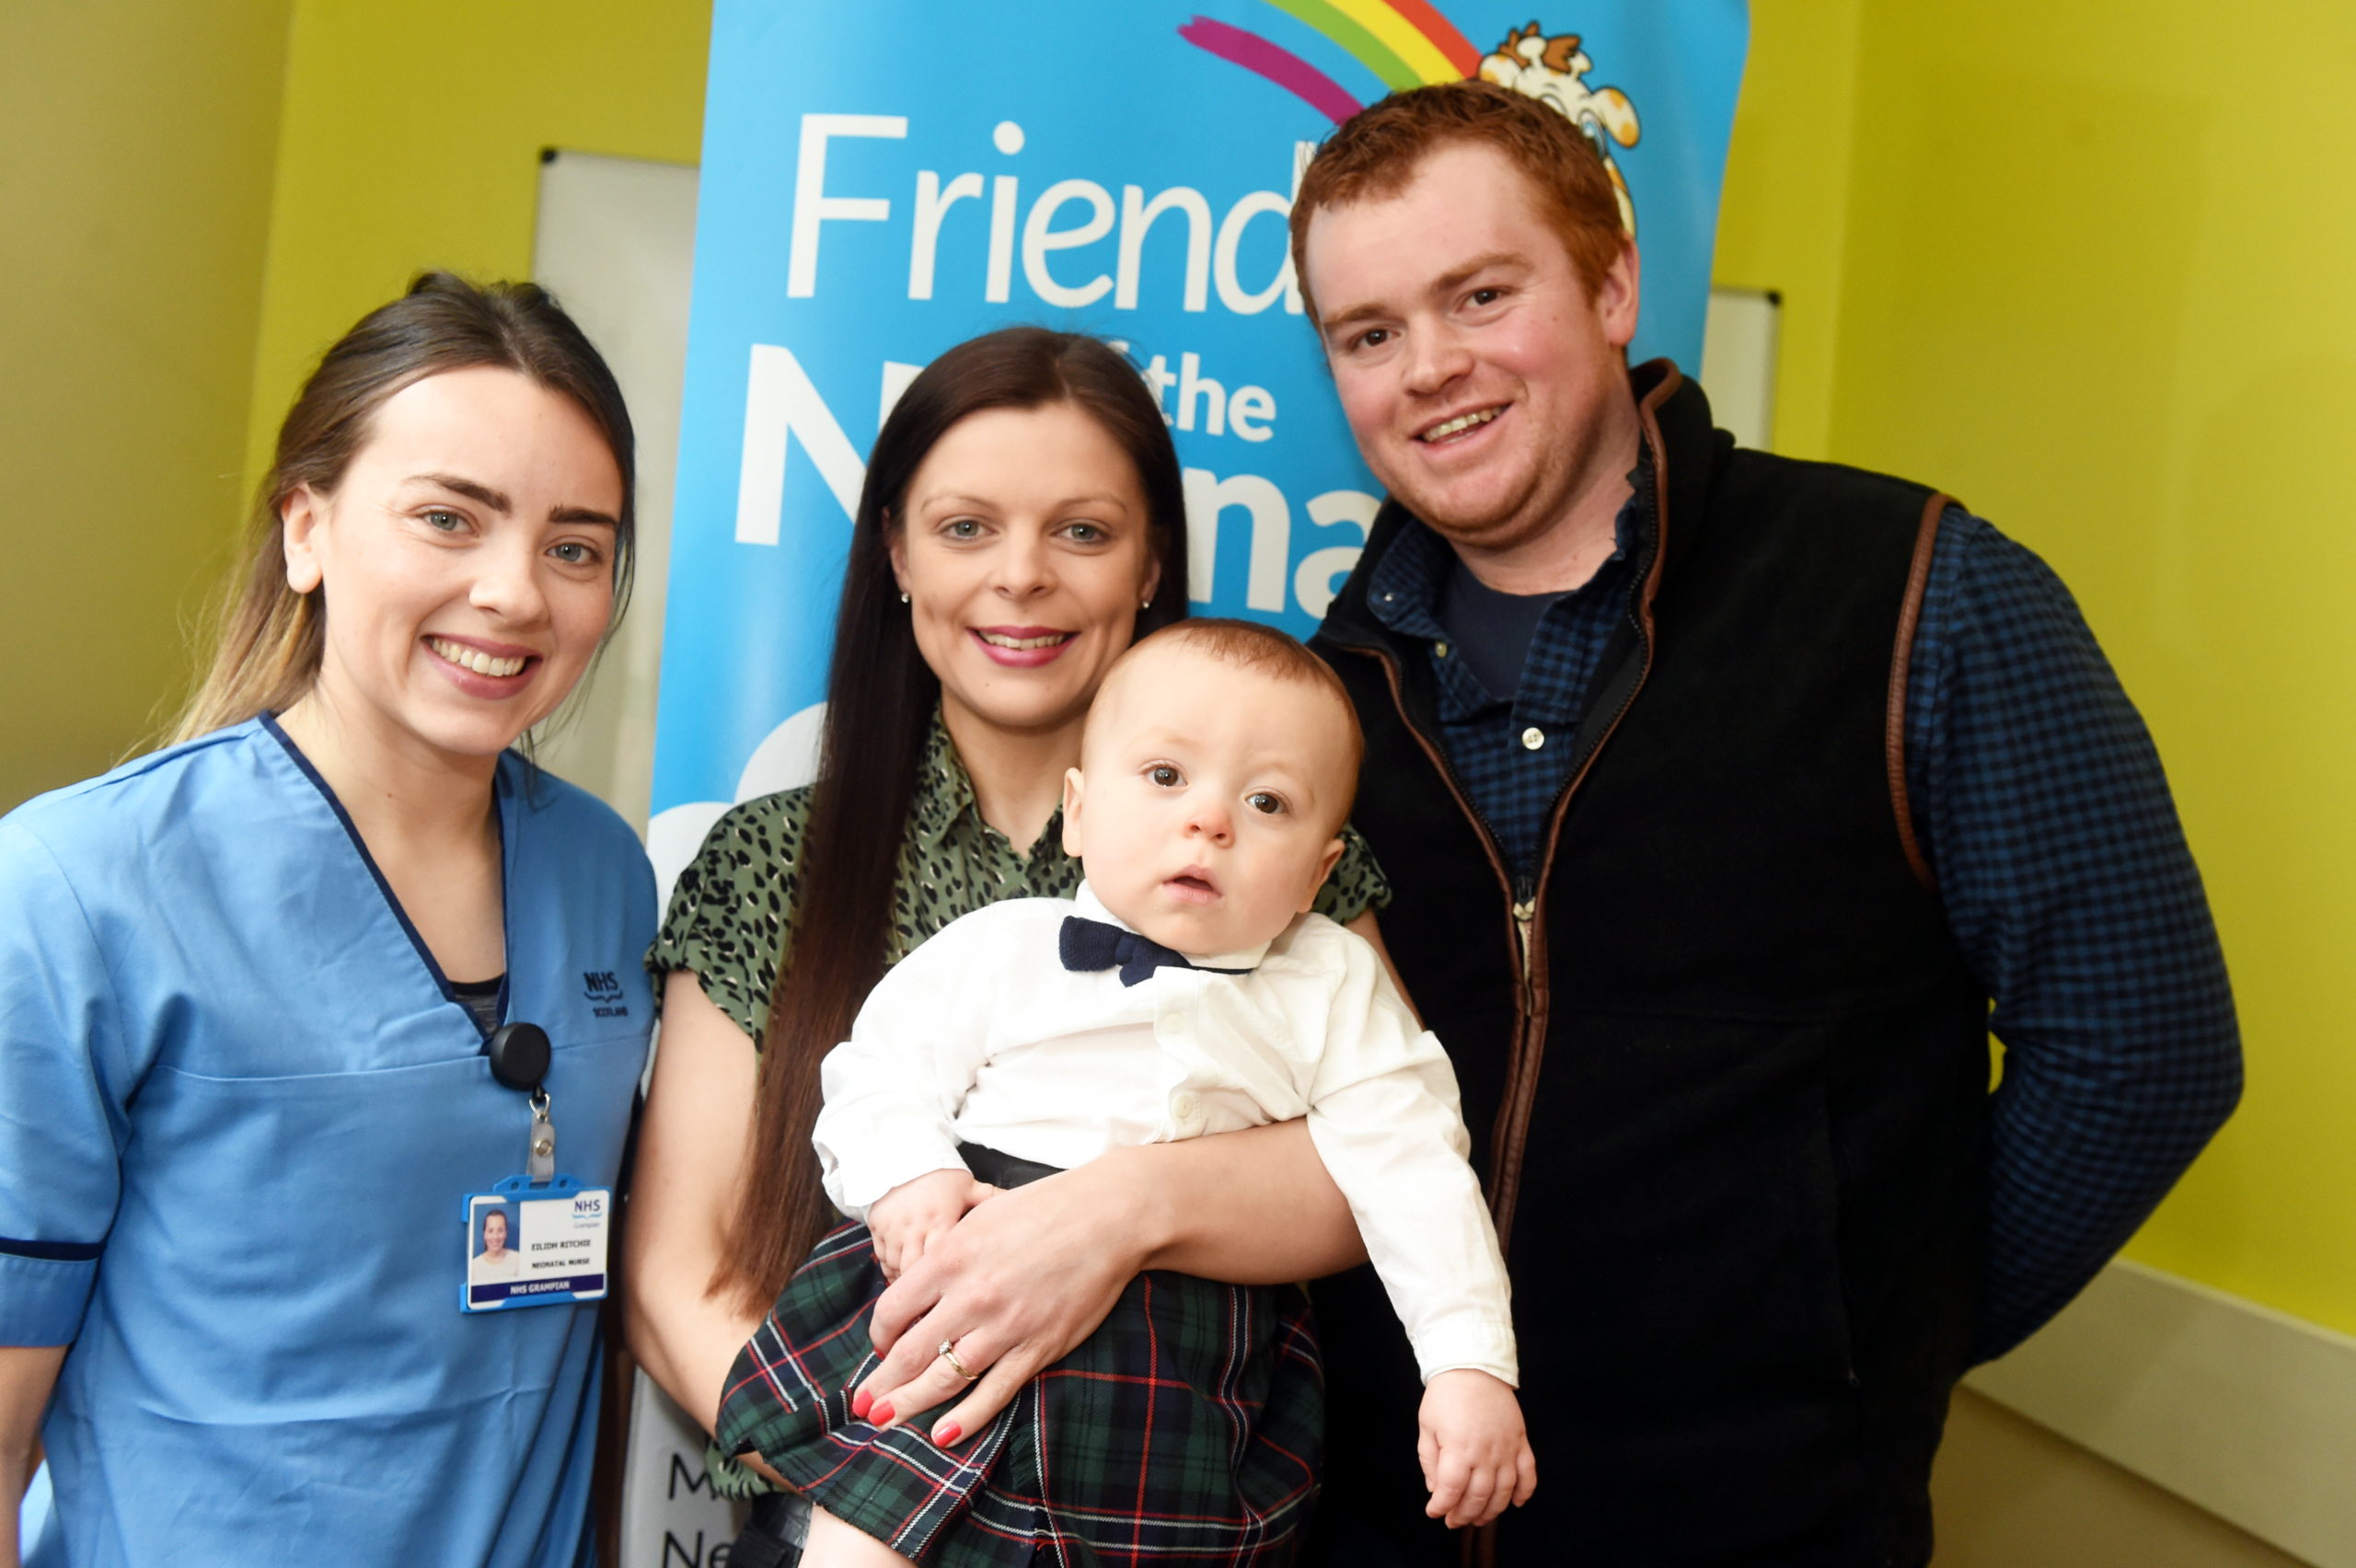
[(1738, 366), (615, 241)]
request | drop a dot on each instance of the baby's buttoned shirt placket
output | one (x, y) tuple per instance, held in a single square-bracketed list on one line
[(1174, 1032)]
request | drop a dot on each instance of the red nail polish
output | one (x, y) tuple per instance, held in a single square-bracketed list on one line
[(881, 1416), (860, 1402), (948, 1432)]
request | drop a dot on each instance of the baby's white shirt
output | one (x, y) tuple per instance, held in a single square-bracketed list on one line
[(981, 1035)]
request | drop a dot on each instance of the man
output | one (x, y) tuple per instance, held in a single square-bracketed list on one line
[(1721, 794)]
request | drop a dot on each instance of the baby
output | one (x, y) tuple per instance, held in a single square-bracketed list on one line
[(1185, 991)]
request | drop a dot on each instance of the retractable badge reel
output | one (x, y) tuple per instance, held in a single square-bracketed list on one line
[(536, 1239)]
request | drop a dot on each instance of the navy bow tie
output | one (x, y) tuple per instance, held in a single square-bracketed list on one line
[(1088, 944)]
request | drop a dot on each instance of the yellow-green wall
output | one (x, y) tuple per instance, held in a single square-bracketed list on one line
[(2091, 268), (412, 137), (1784, 216), (135, 154)]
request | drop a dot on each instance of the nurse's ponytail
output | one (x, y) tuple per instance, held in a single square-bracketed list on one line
[(267, 638)]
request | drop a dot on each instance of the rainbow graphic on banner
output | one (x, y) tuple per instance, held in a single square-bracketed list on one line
[(1405, 44)]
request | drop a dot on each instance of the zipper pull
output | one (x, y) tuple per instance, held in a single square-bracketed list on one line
[(1523, 914)]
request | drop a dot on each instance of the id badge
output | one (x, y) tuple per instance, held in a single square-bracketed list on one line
[(535, 1244)]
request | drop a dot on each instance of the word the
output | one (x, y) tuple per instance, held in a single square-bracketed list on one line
[(1246, 412)]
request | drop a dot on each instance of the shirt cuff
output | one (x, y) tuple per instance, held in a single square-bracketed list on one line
[(855, 1187), (1478, 1344), (42, 1299)]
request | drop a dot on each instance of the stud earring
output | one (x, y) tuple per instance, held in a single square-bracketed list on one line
[(904, 598), (1146, 605)]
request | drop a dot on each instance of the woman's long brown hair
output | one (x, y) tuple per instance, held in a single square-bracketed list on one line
[(880, 700), (266, 637)]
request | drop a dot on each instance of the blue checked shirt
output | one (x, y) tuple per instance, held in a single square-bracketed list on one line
[(2067, 882)]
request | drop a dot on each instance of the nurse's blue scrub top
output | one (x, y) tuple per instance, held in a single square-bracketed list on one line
[(238, 1109)]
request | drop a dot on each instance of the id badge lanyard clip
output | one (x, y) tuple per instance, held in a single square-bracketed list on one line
[(519, 1059), (541, 1163)]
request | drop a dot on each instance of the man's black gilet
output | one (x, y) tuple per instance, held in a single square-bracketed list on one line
[(1732, 1121)]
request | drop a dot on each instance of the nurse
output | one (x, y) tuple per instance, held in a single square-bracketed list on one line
[(255, 974)]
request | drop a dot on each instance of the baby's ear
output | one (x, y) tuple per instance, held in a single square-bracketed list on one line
[(1325, 865), (1072, 782)]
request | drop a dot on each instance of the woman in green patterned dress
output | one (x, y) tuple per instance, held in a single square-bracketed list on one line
[(1022, 522)]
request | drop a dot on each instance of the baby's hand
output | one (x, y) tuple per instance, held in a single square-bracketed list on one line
[(1476, 1457), (914, 1215)]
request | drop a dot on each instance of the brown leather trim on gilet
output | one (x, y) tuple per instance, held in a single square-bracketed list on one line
[(1510, 1136), (1511, 1133), (1910, 614)]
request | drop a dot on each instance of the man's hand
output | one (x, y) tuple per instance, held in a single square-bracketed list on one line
[(1015, 1286), (908, 1220), (1476, 1457)]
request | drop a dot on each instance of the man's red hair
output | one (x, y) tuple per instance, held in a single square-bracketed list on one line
[(1374, 153)]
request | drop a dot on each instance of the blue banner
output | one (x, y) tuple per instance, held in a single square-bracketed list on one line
[(883, 180)]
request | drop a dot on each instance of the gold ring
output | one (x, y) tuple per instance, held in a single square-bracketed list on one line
[(949, 1353)]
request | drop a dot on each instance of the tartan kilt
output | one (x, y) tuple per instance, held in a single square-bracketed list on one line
[(1188, 1427)]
